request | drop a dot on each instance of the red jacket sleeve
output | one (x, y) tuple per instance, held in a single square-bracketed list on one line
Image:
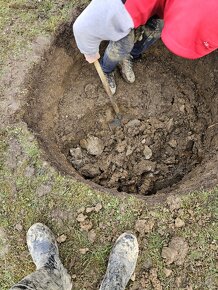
[(191, 27)]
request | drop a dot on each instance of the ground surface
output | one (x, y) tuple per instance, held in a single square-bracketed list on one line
[(46, 84), (167, 118)]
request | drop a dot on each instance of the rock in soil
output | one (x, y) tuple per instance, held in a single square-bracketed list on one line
[(144, 226), (98, 207), (18, 227), (176, 251), (86, 225), (90, 170), (91, 236), (167, 272), (93, 145), (141, 156), (61, 239), (81, 217), (170, 255), (174, 202), (90, 209), (83, 251), (179, 223), (77, 157), (144, 166), (147, 152)]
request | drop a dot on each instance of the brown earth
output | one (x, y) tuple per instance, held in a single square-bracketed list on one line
[(170, 126), (66, 104)]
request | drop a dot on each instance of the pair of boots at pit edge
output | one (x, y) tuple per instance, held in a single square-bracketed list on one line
[(126, 70), (43, 249)]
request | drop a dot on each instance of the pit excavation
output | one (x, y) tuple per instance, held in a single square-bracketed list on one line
[(170, 125)]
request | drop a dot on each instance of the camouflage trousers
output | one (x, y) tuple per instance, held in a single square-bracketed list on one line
[(43, 279), (134, 44), (51, 274), (47, 278), (52, 279)]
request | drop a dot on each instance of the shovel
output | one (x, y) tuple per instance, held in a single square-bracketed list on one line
[(116, 122)]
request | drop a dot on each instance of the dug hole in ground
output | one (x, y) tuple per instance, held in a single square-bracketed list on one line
[(168, 142), (167, 146)]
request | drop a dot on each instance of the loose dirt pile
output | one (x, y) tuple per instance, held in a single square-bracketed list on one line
[(170, 128), (143, 155)]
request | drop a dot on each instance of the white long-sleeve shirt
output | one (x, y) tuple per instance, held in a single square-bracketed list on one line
[(101, 20)]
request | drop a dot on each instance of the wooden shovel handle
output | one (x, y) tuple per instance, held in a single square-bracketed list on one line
[(106, 86)]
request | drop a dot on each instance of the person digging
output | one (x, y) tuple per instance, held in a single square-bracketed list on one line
[(50, 273), (187, 28)]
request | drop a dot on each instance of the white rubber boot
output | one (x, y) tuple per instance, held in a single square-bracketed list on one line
[(43, 248), (111, 81), (121, 264), (126, 69)]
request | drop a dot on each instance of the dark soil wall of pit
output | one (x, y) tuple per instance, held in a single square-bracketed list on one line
[(170, 129)]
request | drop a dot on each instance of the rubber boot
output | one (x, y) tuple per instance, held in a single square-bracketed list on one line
[(111, 81), (126, 69), (121, 264), (43, 248)]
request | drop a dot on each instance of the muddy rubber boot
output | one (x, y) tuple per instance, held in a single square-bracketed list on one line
[(111, 82), (126, 69), (121, 264), (43, 248)]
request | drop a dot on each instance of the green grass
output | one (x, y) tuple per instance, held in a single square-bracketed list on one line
[(59, 208), (21, 206), (20, 25)]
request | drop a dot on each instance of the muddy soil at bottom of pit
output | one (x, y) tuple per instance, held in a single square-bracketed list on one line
[(141, 156), (166, 131)]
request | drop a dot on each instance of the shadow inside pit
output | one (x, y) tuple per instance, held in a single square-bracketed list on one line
[(172, 105)]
